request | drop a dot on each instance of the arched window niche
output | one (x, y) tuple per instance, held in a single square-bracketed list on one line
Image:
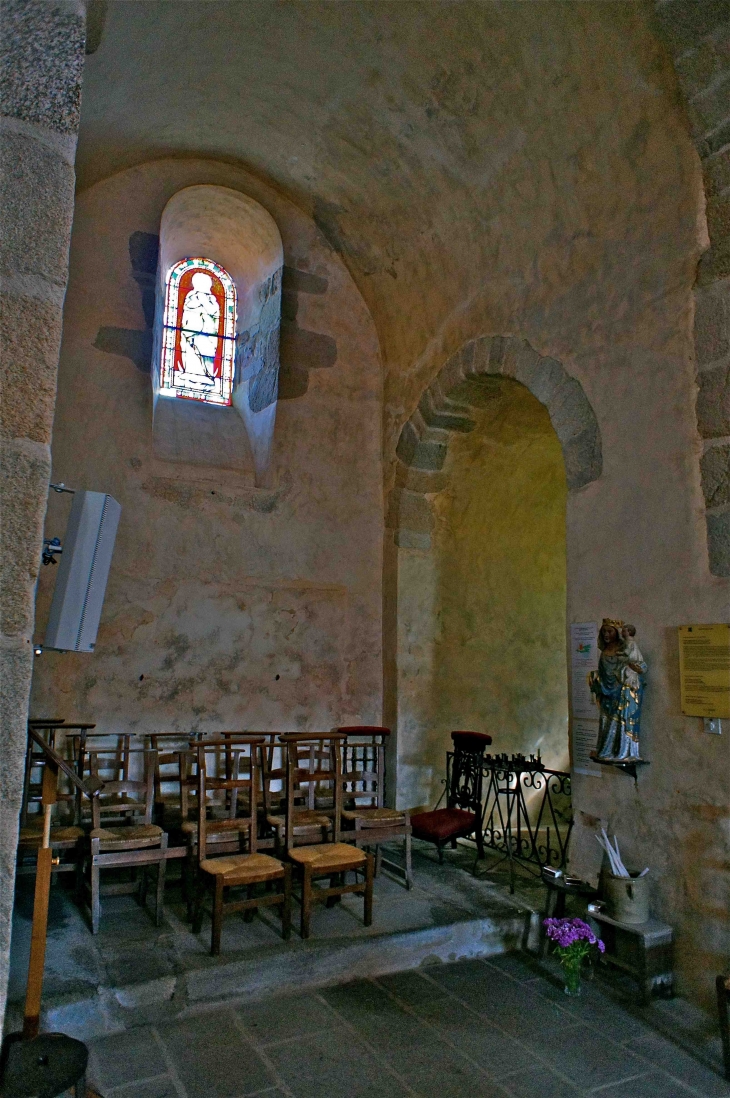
[(215, 370)]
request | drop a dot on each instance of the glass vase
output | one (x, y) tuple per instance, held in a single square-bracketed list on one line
[(572, 977)]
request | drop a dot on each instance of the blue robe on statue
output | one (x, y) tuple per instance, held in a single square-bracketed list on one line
[(619, 690)]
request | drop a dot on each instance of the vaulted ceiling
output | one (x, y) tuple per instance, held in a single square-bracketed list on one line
[(481, 167)]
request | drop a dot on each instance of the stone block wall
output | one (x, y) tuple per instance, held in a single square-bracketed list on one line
[(698, 37), (41, 62)]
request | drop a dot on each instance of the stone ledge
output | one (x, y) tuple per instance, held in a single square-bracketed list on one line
[(326, 963)]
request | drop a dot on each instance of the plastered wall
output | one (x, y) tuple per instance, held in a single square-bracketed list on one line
[(228, 606), (482, 170), (482, 613)]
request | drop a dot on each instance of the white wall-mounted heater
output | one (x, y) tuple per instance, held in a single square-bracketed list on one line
[(82, 574)]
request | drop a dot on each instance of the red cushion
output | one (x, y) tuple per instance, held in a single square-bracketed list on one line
[(443, 824), (471, 741)]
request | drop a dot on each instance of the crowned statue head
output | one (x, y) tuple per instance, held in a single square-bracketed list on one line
[(610, 632)]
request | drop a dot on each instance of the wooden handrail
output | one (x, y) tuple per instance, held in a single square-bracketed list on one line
[(90, 786)]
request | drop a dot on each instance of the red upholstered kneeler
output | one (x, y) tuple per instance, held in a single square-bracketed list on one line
[(463, 815)]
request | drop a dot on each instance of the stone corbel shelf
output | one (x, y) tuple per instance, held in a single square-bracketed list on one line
[(628, 767)]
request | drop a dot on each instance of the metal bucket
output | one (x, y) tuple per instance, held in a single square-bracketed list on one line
[(628, 898)]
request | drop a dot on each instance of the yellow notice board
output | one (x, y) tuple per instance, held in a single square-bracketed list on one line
[(704, 670)]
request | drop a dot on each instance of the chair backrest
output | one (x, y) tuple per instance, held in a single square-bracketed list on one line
[(272, 771), (313, 772), (363, 765), (52, 730), (173, 769), (265, 754), (117, 789), (464, 777), (83, 741), (35, 762), (227, 767)]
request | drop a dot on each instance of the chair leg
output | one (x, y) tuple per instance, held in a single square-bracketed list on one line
[(79, 877), (335, 880), (160, 895), (369, 873), (249, 912), (189, 875), (441, 853), (409, 864), (722, 1012), (215, 937), (143, 882), (197, 889), (306, 901), (479, 836), (378, 859), (95, 898), (286, 906)]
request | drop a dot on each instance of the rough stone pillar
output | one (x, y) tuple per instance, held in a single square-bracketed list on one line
[(41, 63), (698, 37)]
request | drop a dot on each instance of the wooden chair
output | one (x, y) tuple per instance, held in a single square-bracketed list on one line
[(53, 730), (462, 816), (364, 810), (65, 839), (306, 811), (112, 752), (270, 797), (226, 848), (332, 859), (228, 770), (174, 782), (134, 842)]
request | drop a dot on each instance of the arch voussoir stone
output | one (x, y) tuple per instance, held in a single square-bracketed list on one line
[(444, 408)]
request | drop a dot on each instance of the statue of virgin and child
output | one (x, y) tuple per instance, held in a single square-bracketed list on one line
[(618, 687)]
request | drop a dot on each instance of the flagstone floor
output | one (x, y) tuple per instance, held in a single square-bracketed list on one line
[(477, 1029)]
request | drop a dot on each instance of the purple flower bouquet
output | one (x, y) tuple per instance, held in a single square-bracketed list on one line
[(574, 940)]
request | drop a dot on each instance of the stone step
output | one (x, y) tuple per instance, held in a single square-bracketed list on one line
[(158, 974)]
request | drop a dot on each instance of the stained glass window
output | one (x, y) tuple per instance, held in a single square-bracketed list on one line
[(199, 329)]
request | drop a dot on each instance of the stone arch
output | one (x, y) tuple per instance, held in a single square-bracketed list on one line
[(446, 407)]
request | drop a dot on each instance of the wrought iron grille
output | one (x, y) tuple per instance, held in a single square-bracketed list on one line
[(526, 809)]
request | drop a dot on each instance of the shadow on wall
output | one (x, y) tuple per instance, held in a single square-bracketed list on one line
[(301, 350), (483, 612)]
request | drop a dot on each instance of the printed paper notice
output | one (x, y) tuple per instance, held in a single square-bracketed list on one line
[(704, 670), (583, 660), (585, 740)]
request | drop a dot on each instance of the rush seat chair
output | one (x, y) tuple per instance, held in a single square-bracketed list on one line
[(333, 859), (134, 841), (226, 848), (367, 822)]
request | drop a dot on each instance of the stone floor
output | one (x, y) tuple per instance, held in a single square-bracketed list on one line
[(477, 1029), (472, 1015)]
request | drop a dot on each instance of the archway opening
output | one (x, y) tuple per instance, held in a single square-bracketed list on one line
[(482, 612)]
